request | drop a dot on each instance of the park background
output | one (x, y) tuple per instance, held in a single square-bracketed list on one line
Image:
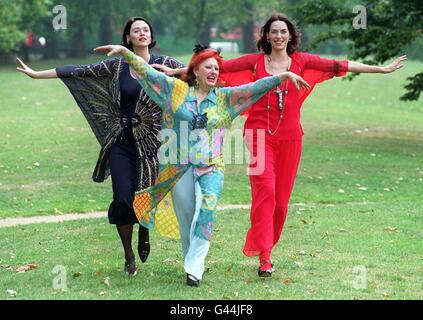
[(354, 230)]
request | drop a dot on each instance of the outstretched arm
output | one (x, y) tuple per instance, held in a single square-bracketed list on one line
[(364, 68), (156, 84), (242, 97), (44, 74), (170, 71)]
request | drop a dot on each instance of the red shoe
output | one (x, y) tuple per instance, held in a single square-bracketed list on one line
[(266, 269)]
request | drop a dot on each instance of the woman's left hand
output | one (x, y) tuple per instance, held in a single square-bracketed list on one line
[(111, 49), (395, 65)]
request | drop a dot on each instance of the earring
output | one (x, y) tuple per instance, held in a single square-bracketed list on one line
[(196, 84)]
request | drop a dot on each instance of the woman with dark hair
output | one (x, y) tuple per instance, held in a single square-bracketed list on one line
[(276, 118), (126, 123), (195, 118)]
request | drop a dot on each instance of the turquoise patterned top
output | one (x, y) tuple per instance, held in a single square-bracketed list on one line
[(182, 144)]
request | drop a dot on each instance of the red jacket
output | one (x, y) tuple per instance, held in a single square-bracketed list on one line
[(251, 67)]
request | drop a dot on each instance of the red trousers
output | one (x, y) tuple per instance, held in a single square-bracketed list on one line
[(271, 191)]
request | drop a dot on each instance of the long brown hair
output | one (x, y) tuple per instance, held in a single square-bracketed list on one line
[(264, 45)]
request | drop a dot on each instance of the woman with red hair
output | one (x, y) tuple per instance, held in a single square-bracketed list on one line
[(196, 115), (273, 129)]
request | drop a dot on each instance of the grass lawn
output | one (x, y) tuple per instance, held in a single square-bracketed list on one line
[(354, 230)]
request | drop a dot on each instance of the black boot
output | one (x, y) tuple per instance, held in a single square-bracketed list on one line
[(143, 243)]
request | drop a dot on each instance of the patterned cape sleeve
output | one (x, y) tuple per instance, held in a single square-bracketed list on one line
[(92, 88), (240, 98)]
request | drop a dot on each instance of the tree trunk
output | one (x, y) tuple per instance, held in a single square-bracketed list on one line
[(248, 37), (50, 51), (105, 36), (78, 42), (248, 28), (202, 34)]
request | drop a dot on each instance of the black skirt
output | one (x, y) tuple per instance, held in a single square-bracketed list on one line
[(124, 166)]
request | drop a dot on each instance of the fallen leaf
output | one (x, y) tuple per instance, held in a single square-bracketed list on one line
[(287, 281), (342, 230), (385, 294), (302, 253), (102, 293), (11, 293), (107, 281), (6, 267), (25, 268), (297, 264), (304, 221), (391, 229)]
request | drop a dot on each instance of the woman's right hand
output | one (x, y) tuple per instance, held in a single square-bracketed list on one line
[(295, 79), (22, 67), (111, 49), (169, 71)]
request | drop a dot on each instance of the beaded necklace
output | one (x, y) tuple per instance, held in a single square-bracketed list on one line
[(281, 100)]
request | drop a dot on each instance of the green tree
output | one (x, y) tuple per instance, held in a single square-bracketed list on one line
[(391, 26), (18, 17)]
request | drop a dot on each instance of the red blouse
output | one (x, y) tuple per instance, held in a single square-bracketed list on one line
[(251, 67)]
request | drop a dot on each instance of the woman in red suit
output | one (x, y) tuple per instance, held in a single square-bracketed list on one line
[(277, 117), (273, 130)]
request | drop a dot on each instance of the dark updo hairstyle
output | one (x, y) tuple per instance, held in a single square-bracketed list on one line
[(264, 45), (127, 31)]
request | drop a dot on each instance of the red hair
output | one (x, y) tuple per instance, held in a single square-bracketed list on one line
[(196, 60)]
